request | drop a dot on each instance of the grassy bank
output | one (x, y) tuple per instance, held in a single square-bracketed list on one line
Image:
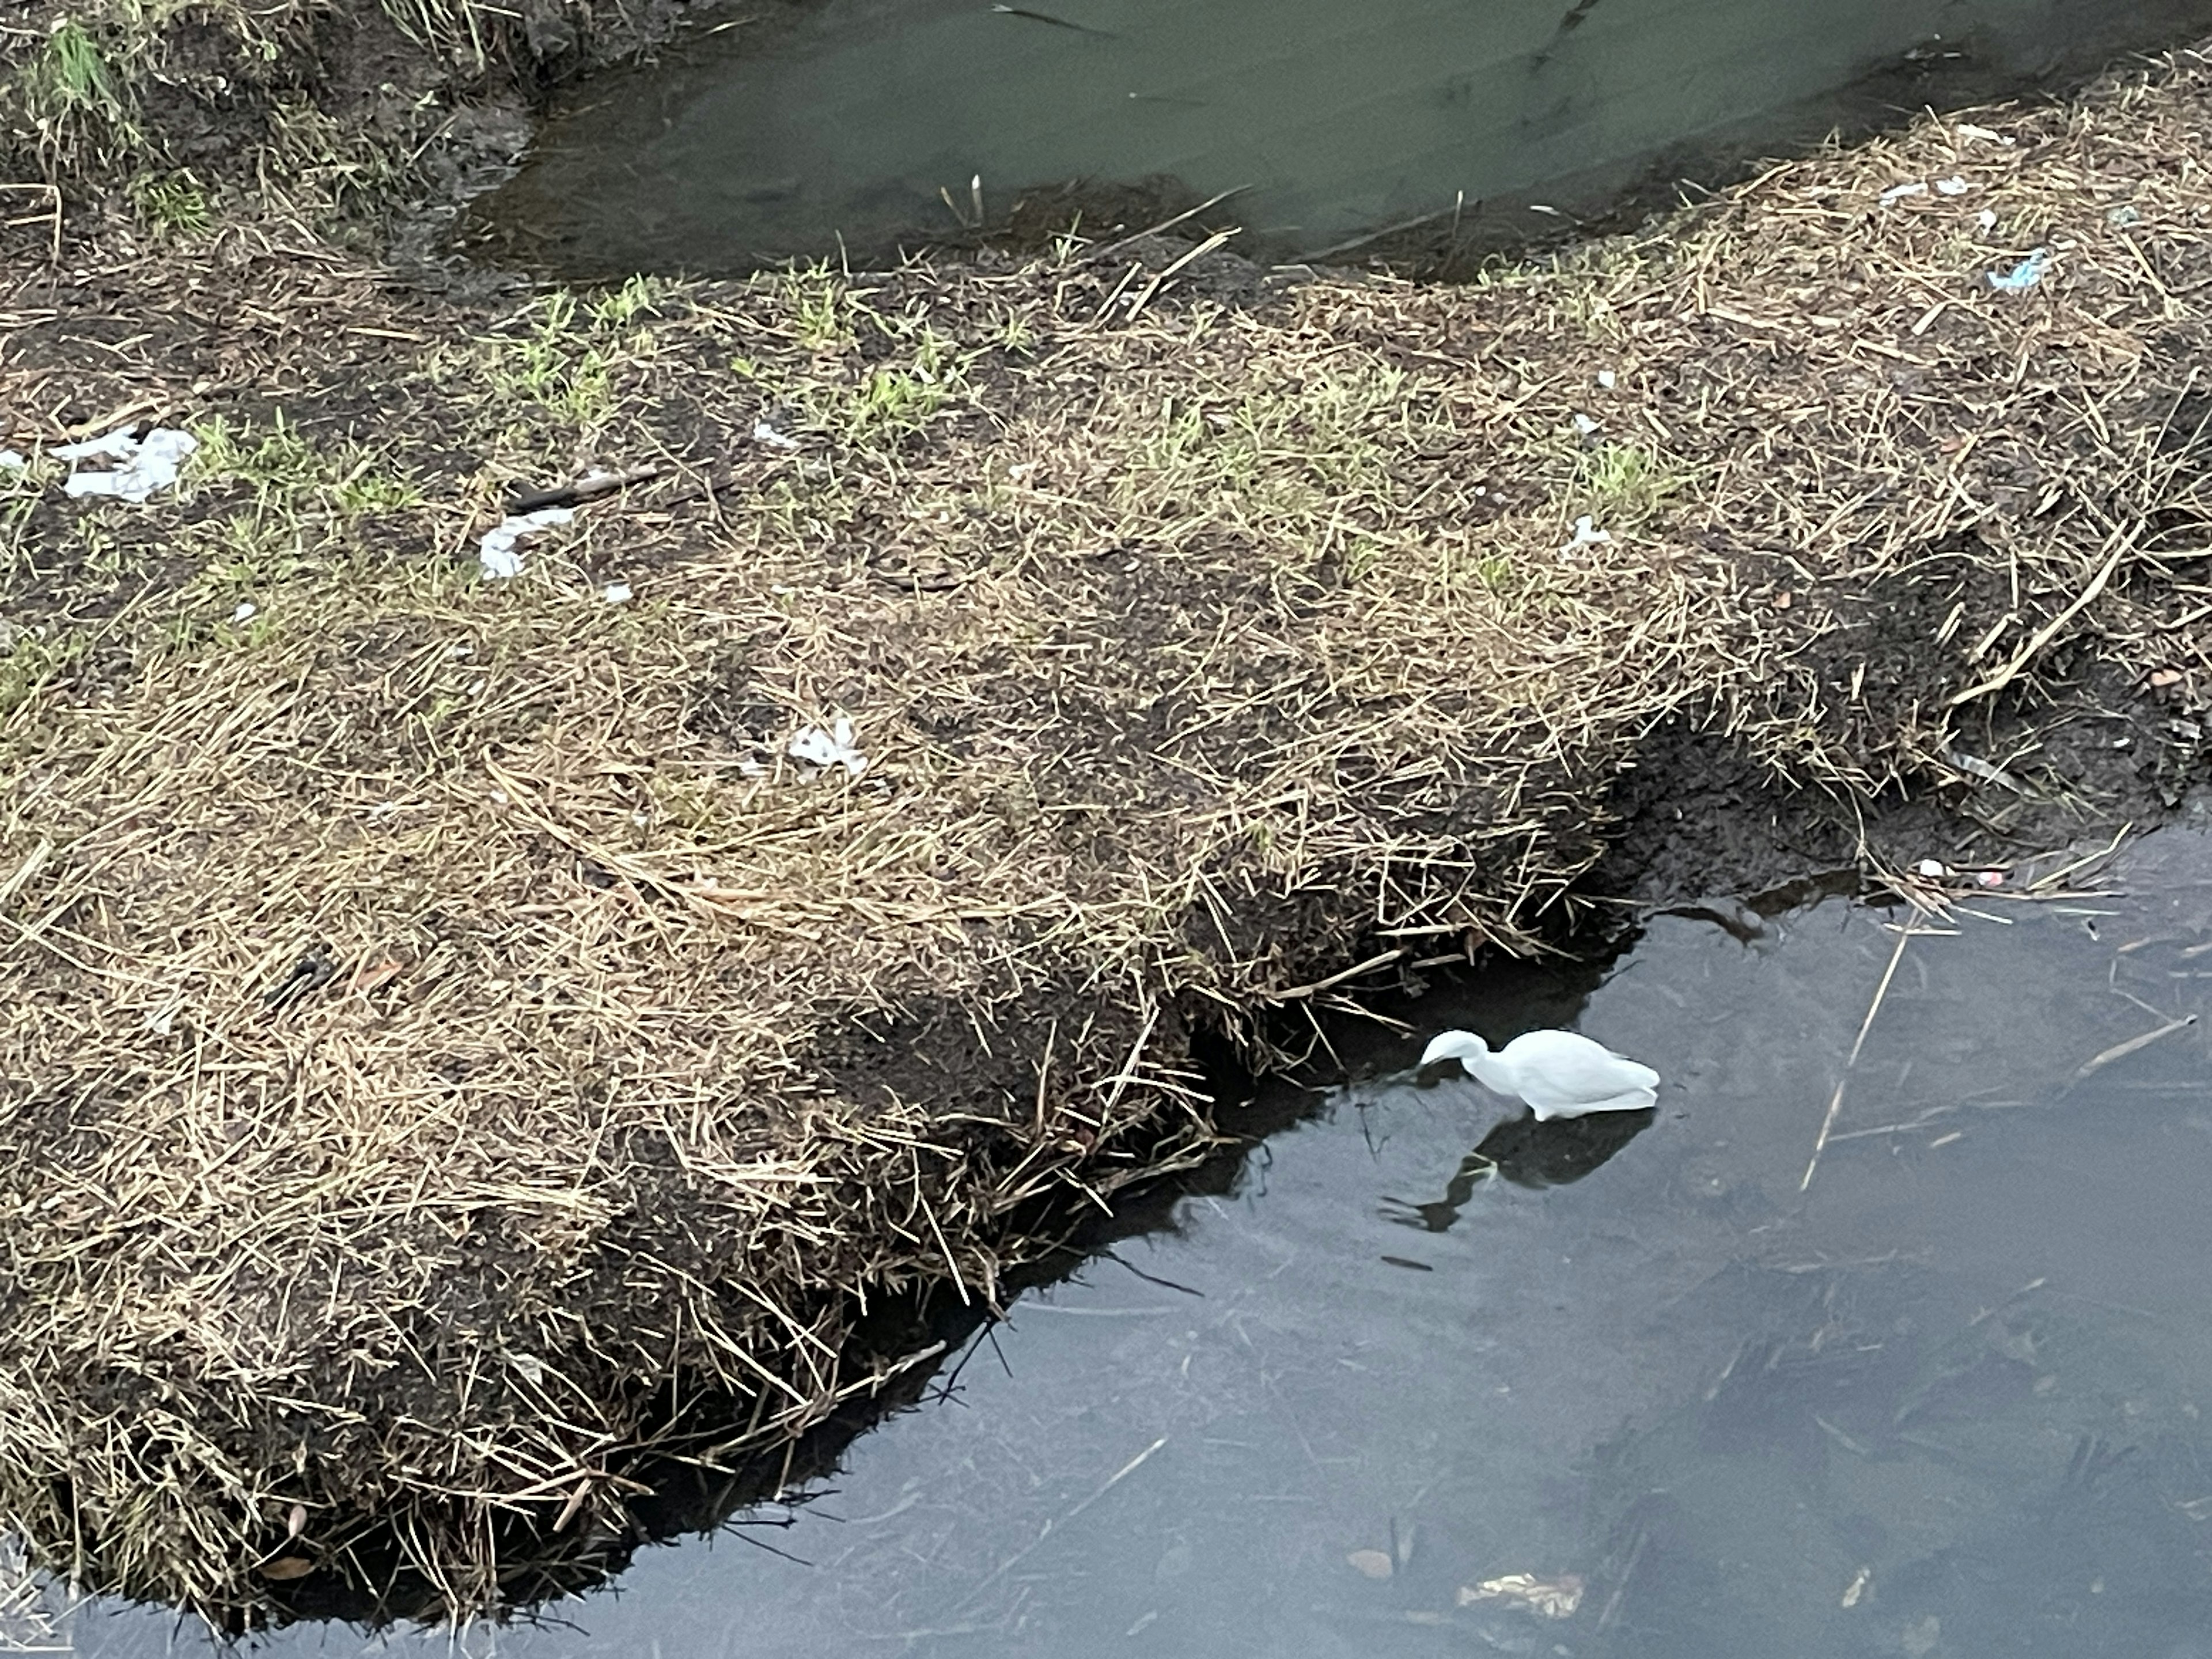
[(454, 1047), (183, 114)]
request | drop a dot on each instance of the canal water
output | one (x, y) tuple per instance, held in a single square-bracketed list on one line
[(1429, 1379), (828, 129)]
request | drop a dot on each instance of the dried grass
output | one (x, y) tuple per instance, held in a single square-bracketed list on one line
[(451, 1047)]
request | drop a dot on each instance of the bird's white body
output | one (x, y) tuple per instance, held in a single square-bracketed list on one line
[(1559, 1073)]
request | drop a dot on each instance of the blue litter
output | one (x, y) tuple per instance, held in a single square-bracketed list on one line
[(2024, 275)]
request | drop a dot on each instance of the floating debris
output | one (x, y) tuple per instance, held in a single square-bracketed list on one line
[(1372, 1563), (1047, 17), (1550, 1598)]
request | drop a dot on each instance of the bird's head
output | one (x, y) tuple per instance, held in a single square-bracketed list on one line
[(1462, 1046)]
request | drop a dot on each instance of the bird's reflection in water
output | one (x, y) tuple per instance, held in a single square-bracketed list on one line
[(1528, 1154)]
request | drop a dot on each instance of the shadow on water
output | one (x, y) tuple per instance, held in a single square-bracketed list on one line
[(1529, 1154), (1663, 1396), (1428, 132)]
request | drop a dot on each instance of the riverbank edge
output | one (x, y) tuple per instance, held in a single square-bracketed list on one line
[(1216, 642)]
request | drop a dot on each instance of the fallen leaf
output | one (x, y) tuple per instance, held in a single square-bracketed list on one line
[(1374, 1564), (285, 1568), (371, 975), (2165, 677)]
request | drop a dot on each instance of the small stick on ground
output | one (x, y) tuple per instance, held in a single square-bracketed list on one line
[(583, 490), (1109, 250)]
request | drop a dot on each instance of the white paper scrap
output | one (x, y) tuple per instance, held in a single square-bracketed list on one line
[(144, 464), (827, 748), (500, 549)]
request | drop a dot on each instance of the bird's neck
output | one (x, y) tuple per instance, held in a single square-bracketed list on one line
[(1493, 1071)]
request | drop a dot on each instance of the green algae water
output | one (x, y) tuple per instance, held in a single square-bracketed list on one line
[(855, 129), (1429, 1379)]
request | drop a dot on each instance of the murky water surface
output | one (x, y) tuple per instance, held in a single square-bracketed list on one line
[(798, 129), (1431, 1381)]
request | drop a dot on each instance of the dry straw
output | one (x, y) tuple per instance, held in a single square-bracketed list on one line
[(450, 1042)]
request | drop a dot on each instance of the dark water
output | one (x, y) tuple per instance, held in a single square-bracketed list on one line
[(1949, 1402), (871, 121)]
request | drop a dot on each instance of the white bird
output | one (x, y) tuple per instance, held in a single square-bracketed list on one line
[(1559, 1073)]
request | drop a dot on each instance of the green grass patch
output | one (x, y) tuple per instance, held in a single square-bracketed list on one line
[(1625, 486), (172, 204)]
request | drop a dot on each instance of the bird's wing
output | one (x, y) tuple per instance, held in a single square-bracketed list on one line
[(1563, 1068)]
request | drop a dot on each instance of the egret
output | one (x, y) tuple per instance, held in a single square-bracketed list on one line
[(1559, 1073)]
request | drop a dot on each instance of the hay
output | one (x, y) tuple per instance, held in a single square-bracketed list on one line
[(453, 1050)]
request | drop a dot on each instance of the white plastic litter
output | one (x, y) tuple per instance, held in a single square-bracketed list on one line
[(2125, 213), (827, 748), (1987, 219), (1586, 426), (1897, 193), (765, 432), (245, 611), (12, 461), (2024, 275), (1606, 378), (1587, 534), (500, 549), (1934, 869), (1953, 185), (143, 465), (1975, 766), (616, 593)]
